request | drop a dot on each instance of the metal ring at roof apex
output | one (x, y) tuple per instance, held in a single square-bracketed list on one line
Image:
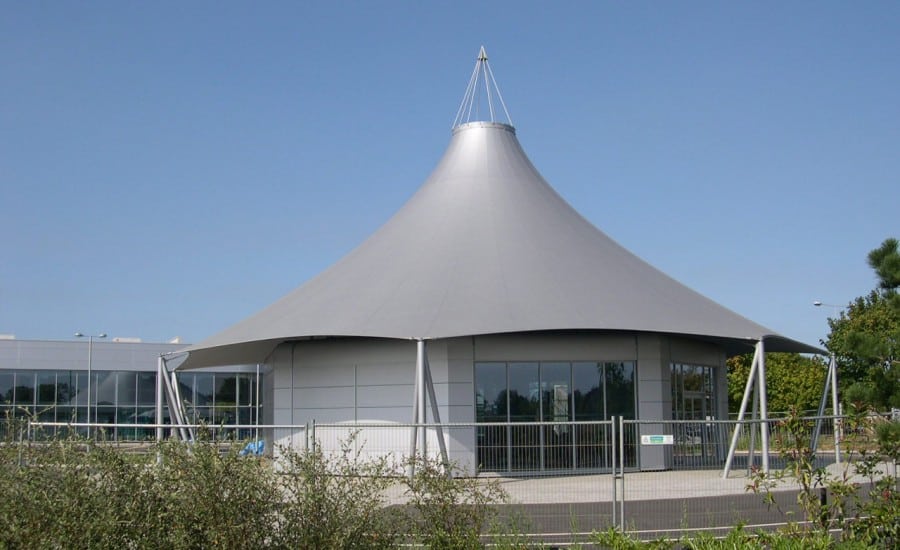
[(484, 124)]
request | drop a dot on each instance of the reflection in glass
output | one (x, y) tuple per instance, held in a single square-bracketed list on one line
[(246, 393), (81, 380), (556, 393), (7, 383), (46, 388), (587, 391), (557, 407), (491, 406), (127, 389), (592, 443), (524, 394), (226, 390), (146, 388), (619, 382), (24, 388), (105, 384), (524, 406), (203, 385)]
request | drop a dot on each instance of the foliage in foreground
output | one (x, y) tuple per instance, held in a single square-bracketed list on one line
[(862, 508), (77, 494)]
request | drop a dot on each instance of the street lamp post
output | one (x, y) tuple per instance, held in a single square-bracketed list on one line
[(90, 338)]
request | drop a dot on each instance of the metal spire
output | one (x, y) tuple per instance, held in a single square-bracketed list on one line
[(472, 100)]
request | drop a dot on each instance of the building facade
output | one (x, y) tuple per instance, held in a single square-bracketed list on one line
[(47, 380), (489, 296)]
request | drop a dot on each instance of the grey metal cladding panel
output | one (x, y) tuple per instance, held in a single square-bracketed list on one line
[(486, 246), (73, 355)]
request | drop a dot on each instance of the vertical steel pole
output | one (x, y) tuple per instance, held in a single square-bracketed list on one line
[(622, 471), (256, 415), (835, 410), (436, 416), (747, 389), (159, 399), (763, 406), (821, 410), (90, 358), (615, 475), (420, 397), (751, 450), (414, 430)]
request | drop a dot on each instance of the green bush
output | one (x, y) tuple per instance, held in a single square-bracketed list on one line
[(336, 501), (74, 493), (449, 510), (864, 514)]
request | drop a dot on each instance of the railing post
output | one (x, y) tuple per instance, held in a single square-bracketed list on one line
[(614, 476), (622, 470)]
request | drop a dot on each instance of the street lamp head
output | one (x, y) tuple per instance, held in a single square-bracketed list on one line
[(78, 335), (817, 303), (101, 335)]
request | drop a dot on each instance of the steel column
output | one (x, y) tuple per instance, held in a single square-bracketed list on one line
[(763, 406), (737, 429)]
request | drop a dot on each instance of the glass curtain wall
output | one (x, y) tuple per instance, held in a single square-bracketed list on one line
[(552, 393), (126, 397)]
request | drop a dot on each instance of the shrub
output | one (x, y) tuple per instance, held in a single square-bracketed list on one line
[(336, 501), (449, 510)]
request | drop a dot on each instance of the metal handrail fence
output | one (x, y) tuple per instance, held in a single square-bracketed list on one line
[(288, 434), (567, 479)]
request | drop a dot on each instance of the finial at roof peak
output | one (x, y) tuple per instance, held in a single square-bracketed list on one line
[(472, 100)]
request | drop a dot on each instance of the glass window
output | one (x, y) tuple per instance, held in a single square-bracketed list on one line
[(146, 388), (524, 392), (46, 387), (203, 384), (105, 394), (490, 392), (7, 383), (554, 392), (65, 414), (693, 378), (246, 388), (226, 389), (619, 382), (587, 391), (47, 414), (81, 381), (127, 390), (186, 387), (24, 388), (555, 384), (693, 392), (104, 415), (65, 387)]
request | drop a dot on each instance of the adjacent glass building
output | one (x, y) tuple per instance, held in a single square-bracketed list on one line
[(48, 381)]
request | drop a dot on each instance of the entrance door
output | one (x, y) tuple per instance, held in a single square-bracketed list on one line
[(697, 442)]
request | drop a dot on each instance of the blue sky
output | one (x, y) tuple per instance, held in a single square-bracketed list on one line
[(169, 168)]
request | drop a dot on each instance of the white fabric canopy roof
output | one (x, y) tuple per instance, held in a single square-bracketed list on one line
[(485, 246)]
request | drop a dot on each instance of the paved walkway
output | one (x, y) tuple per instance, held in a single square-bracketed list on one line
[(640, 486)]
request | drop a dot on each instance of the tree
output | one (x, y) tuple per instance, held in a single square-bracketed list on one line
[(792, 381), (865, 338)]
